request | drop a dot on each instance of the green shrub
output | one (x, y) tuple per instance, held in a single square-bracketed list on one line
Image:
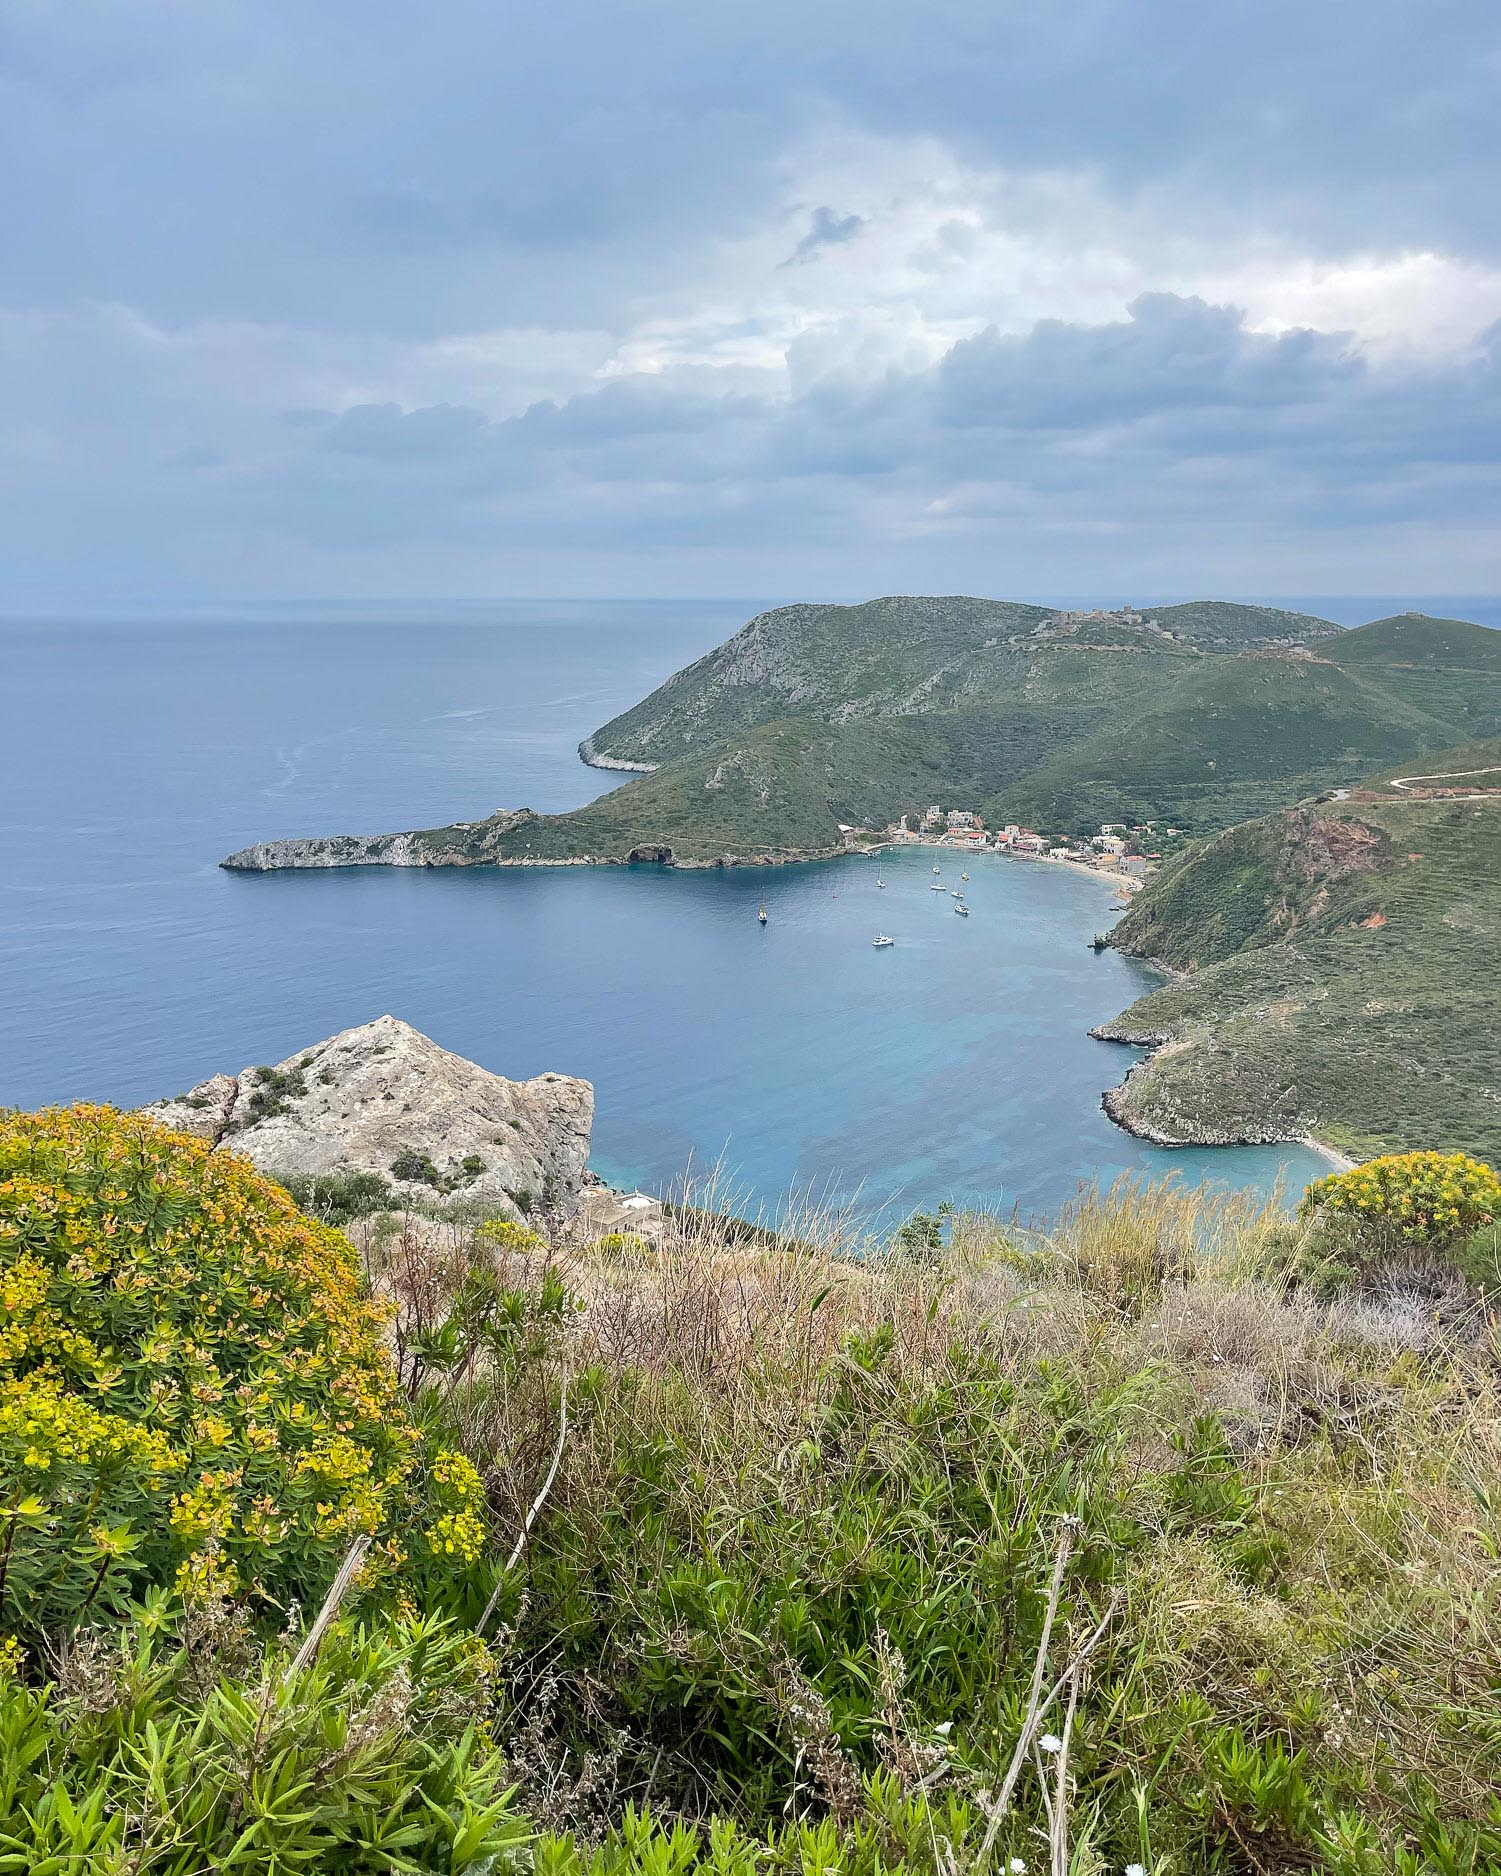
[(152, 1760), (194, 1390), (273, 1089), (415, 1168), (1411, 1198), (337, 1198)]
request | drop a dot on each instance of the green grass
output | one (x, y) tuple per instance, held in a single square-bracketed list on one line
[(796, 1559)]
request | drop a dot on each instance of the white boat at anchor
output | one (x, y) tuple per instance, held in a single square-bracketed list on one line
[(961, 908), (881, 941)]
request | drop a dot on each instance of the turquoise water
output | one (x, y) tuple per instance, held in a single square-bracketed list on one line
[(954, 1065)]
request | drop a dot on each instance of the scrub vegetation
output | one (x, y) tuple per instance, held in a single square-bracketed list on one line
[(1169, 1537), (1340, 962)]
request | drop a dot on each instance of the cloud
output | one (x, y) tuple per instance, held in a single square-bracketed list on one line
[(859, 296), (1177, 424), (828, 230)]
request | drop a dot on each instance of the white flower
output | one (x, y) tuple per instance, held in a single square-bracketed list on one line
[(1050, 1742), (1017, 1866), (1136, 1869)]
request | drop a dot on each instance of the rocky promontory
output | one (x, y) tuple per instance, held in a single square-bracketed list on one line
[(465, 843), (590, 755), (382, 1098)]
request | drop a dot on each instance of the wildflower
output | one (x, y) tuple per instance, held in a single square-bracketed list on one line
[(1017, 1866), (1050, 1742), (1136, 1869)]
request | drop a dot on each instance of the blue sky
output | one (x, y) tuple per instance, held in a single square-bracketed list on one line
[(1011, 296)]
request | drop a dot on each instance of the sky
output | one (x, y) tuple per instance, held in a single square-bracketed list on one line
[(315, 299)]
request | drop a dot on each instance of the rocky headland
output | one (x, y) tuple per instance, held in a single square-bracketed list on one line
[(384, 1099), (590, 755)]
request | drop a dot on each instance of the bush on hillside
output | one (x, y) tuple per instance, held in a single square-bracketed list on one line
[(195, 1392), (339, 1198), (1411, 1198)]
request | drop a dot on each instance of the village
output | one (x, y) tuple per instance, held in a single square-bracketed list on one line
[(1122, 852)]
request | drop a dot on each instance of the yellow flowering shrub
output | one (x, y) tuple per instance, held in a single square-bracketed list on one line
[(1419, 1198), (194, 1388)]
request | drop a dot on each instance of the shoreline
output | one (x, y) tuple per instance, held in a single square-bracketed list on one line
[(1112, 1102), (617, 764), (1124, 882)]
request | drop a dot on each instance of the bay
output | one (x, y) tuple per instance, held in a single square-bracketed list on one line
[(954, 1065)]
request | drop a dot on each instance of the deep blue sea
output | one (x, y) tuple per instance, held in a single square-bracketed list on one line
[(134, 756)]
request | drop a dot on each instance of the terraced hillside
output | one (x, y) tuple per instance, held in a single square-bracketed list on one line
[(1344, 971), (817, 716)]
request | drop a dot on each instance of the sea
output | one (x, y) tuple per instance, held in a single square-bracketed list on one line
[(790, 1061)]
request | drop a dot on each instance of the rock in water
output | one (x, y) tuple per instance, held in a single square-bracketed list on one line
[(385, 1099)]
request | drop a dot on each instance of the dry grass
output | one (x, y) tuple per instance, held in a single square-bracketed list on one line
[(1304, 1496)]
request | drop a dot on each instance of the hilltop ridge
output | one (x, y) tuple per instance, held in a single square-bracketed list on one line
[(909, 656)]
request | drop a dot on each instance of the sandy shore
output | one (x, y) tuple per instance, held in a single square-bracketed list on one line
[(1341, 1162), (1126, 882)]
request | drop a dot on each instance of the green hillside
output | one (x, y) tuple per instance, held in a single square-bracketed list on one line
[(1213, 624), (910, 656), (887, 657), (1342, 962), (1198, 716), (1415, 639)]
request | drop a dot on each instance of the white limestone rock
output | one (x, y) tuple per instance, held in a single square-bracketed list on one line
[(368, 1097)]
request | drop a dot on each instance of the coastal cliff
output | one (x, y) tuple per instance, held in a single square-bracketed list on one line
[(384, 1099)]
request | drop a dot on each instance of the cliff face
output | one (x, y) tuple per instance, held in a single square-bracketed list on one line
[(383, 1098)]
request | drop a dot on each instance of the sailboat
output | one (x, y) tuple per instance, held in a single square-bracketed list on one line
[(882, 884), (935, 869), (964, 876), (761, 912)]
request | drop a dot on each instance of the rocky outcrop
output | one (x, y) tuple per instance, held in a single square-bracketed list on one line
[(595, 760), (383, 1098), (465, 843)]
